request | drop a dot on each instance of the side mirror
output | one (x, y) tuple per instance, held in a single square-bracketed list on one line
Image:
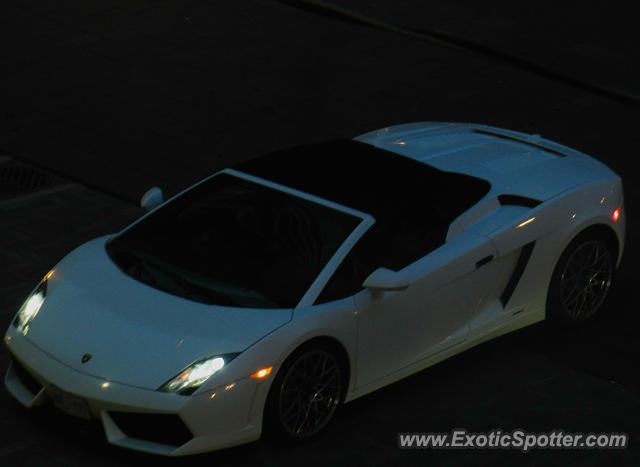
[(152, 198), (383, 280)]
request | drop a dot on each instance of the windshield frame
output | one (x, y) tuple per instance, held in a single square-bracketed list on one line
[(314, 290)]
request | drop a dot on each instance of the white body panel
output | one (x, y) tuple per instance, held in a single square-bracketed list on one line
[(400, 328), (512, 166), (140, 337), (94, 308)]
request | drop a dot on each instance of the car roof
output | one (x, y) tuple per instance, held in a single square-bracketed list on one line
[(373, 180)]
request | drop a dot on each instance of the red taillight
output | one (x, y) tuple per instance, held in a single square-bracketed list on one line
[(615, 215)]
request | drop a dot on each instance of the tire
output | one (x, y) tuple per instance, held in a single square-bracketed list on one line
[(305, 394), (581, 280)]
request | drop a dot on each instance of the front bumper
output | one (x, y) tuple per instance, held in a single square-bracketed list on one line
[(132, 417)]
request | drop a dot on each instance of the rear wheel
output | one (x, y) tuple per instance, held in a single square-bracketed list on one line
[(305, 394), (581, 280)]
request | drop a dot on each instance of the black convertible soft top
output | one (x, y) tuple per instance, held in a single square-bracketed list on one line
[(372, 180)]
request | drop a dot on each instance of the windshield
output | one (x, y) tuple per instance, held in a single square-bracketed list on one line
[(230, 241)]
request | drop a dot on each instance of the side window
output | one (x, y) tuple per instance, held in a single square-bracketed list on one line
[(348, 277), (393, 244)]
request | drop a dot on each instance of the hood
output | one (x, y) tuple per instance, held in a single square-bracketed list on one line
[(136, 334), (513, 162)]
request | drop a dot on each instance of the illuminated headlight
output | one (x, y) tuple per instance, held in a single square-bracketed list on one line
[(192, 377), (30, 308)]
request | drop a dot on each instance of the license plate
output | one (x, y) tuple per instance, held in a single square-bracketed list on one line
[(68, 403)]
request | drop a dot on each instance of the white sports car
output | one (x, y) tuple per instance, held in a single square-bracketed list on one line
[(266, 295)]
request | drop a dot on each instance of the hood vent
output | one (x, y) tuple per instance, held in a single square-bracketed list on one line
[(530, 140), (517, 200)]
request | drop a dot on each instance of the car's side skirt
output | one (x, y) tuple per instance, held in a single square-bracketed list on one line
[(519, 321)]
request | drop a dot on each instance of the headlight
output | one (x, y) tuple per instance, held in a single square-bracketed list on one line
[(192, 377), (30, 308)]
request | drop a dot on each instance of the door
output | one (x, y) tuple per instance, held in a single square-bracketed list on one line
[(400, 328)]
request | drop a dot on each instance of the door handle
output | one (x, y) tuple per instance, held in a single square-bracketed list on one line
[(484, 261)]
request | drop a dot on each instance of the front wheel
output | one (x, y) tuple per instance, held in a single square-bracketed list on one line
[(581, 280), (305, 394)]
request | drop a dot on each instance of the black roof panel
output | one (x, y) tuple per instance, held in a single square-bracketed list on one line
[(369, 179)]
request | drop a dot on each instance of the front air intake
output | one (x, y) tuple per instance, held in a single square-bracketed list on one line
[(168, 429), (28, 381)]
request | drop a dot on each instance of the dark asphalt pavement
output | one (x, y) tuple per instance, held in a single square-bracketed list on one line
[(126, 94), (117, 96)]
